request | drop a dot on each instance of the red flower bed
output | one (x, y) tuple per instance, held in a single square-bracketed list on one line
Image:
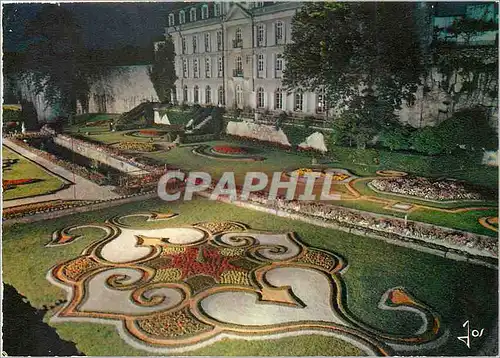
[(14, 182), (225, 149), (150, 132)]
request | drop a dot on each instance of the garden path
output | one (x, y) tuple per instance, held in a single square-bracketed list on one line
[(82, 189)]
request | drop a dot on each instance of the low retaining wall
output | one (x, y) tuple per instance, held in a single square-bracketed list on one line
[(95, 154)]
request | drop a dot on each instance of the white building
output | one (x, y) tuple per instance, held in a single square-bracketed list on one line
[(231, 54)]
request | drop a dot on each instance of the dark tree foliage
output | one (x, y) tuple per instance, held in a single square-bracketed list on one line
[(55, 58), (365, 55), (162, 72)]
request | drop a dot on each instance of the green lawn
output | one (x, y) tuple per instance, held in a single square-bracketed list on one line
[(456, 290), (25, 169)]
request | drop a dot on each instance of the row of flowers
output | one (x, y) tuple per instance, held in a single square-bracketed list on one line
[(97, 123), (136, 146), (427, 189), (334, 175), (37, 208), (390, 227), (151, 132), (11, 183), (225, 149)]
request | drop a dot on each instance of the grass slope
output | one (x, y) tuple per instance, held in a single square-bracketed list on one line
[(456, 290)]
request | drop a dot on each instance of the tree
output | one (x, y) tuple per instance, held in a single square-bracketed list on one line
[(162, 72), (366, 56), (55, 60)]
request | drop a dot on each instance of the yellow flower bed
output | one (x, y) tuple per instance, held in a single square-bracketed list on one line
[(335, 176), (136, 146)]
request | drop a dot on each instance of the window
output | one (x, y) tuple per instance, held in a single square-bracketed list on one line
[(220, 96), (217, 9), (298, 101), (185, 94), (185, 68), (259, 4), (239, 96), (260, 35), (260, 98), (195, 44), (278, 99), (196, 94), (238, 39), (320, 102), (219, 40), (195, 68), (183, 45), (278, 31), (192, 14), (208, 95), (182, 17), (260, 63), (208, 69), (279, 62), (173, 94), (238, 67), (171, 20), (207, 42), (220, 67), (204, 12)]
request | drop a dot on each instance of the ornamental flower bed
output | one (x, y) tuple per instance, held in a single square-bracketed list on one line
[(150, 132), (136, 146), (225, 149), (36, 208), (336, 176), (12, 183), (389, 227), (97, 123), (425, 188)]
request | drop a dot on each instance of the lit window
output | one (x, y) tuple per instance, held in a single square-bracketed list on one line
[(192, 14), (321, 102), (196, 94), (208, 95), (260, 98), (207, 42), (204, 12), (171, 20), (182, 17), (299, 101), (278, 99)]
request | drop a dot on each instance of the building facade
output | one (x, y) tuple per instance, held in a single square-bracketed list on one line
[(231, 54)]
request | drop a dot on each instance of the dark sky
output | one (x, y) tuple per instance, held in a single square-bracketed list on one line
[(105, 25)]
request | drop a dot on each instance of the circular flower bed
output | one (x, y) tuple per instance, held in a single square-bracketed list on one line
[(225, 149), (427, 189), (136, 146), (147, 133)]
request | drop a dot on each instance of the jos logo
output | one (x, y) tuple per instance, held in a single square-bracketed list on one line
[(474, 333)]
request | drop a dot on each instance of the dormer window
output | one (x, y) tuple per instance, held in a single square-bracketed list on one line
[(182, 17), (204, 12), (217, 9), (171, 20), (192, 14)]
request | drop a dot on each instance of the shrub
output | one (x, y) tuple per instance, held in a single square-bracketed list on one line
[(296, 135), (10, 115), (396, 138), (354, 155), (427, 140)]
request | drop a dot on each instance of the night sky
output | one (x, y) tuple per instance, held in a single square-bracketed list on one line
[(105, 25)]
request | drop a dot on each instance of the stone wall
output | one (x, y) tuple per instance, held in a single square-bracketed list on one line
[(257, 131), (99, 156), (119, 90)]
